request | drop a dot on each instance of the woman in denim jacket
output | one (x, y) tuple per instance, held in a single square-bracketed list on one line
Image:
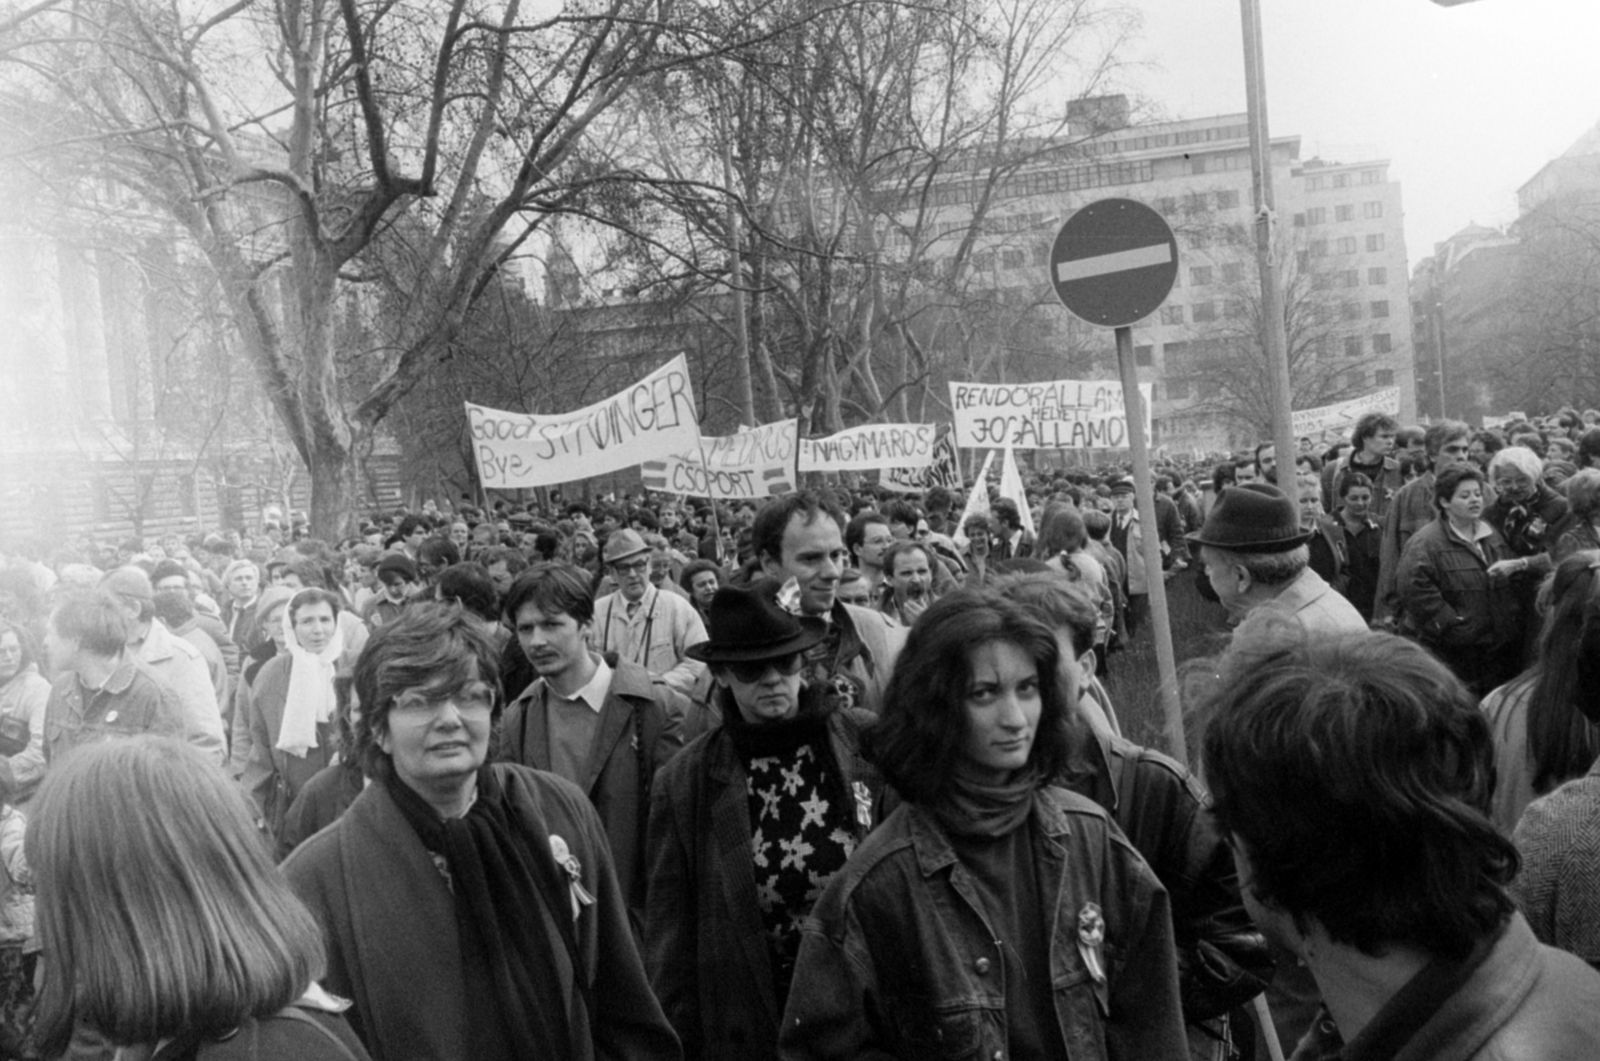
[(992, 914)]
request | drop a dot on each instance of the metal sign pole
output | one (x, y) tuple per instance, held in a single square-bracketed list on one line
[(1150, 540)]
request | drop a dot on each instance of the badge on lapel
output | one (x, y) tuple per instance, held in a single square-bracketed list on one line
[(1091, 938)]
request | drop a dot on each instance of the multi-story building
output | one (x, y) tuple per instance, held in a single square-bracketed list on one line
[(1460, 314), (1342, 257)]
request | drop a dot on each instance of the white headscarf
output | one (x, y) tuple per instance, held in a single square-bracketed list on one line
[(311, 700)]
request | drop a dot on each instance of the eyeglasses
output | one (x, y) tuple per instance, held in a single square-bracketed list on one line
[(878, 542), (474, 696), (749, 672), (630, 567)]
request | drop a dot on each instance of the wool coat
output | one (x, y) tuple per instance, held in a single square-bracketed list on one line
[(641, 728), (394, 949)]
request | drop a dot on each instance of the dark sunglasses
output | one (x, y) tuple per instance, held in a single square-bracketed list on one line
[(751, 671)]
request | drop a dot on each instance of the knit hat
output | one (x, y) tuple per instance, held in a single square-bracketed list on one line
[(168, 569), (396, 564)]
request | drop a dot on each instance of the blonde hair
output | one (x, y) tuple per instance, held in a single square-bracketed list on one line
[(159, 908)]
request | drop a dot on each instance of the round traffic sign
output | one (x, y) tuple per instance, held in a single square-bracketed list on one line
[(1114, 262)]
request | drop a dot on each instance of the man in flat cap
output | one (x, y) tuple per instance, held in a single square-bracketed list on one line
[(642, 624)]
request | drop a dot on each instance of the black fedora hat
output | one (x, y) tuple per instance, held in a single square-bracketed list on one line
[(747, 623), (1253, 518)]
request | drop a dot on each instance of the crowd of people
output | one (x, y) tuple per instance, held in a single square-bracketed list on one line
[(833, 775)]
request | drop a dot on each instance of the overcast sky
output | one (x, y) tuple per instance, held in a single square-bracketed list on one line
[(1467, 102)]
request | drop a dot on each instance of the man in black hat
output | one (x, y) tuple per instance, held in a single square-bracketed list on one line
[(1256, 555), (747, 826)]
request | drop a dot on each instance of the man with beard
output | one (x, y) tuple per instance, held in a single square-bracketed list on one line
[(1366, 850), (174, 606), (908, 582), (645, 625)]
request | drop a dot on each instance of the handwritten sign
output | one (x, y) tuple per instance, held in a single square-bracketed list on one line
[(1345, 414), (869, 446), (516, 450), (747, 465), (944, 471), (1065, 414)]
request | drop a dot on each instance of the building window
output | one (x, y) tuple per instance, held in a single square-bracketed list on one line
[(1352, 346), (1228, 200), (1317, 215), (1341, 180), (1378, 276), (1350, 278), (1345, 212), (1320, 348), (1371, 176), (1143, 356), (1375, 242), (1355, 379), (1232, 273), (1380, 307), (1209, 389), (1380, 343), (1171, 314), (1384, 377), (1205, 312), (1317, 248), (983, 262), (1178, 388), (1316, 184), (1347, 245), (1173, 352), (1197, 166), (1041, 256), (1300, 221), (1371, 210), (1200, 275), (1350, 311), (1321, 281), (1233, 308), (1013, 258)]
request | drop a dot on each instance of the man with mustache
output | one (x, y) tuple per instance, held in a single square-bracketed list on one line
[(908, 582)]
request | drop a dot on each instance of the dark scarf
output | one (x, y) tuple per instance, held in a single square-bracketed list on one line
[(969, 807), (513, 913), (1521, 526)]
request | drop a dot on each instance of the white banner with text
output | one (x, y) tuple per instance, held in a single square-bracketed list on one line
[(869, 446), (1064, 414), (747, 465), (652, 416)]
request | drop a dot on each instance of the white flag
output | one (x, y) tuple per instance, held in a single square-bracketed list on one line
[(1011, 488)]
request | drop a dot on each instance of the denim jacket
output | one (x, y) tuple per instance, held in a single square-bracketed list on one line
[(899, 959)]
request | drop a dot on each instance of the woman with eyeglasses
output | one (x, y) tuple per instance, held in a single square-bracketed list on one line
[(469, 910), (748, 823)]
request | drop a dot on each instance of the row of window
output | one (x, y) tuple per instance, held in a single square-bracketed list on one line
[(1198, 202), (1377, 275), (1206, 389), (1233, 308), (1320, 347), (1322, 182), (1318, 215)]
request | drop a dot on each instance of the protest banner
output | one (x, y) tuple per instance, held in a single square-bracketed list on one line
[(656, 414), (944, 471), (1064, 414), (869, 446), (747, 465), (1346, 413)]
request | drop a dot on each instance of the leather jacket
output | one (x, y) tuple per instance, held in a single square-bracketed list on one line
[(899, 960), (1223, 960)]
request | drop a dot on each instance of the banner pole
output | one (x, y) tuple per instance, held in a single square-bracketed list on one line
[(1150, 540)]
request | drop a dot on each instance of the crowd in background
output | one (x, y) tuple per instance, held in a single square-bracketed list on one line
[(739, 718)]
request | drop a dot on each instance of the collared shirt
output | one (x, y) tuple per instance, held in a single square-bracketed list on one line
[(130, 702), (594, 691)]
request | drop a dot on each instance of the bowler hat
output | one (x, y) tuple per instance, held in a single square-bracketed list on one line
[(748, 623), (1253, 518), (623, 544)]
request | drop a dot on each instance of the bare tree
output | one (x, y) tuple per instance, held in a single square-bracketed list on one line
[(286, 137), (1546, 354)]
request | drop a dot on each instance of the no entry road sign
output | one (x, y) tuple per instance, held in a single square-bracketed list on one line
[(1113, 262)]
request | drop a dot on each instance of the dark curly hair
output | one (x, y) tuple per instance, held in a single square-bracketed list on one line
[(1356, 770), (918, 738)]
